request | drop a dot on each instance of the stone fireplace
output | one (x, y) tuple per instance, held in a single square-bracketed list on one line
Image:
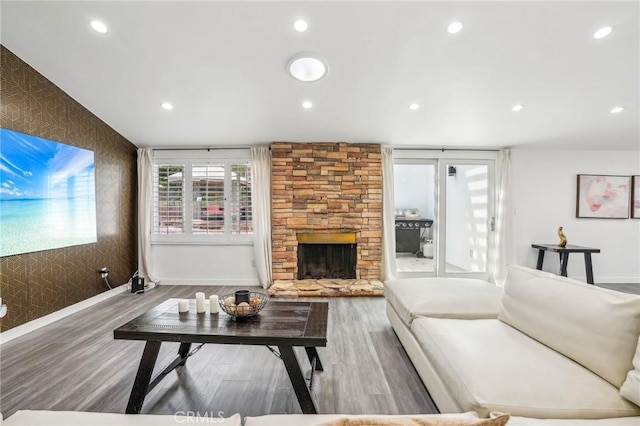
[(325, 191)]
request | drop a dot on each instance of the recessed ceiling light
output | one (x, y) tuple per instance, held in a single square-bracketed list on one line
[(617, 110), (454, 27), (99, 26), (307, 68), (414, 106), (517, 108), (301, 25), (307, 105), (602, 32), (167, 106)]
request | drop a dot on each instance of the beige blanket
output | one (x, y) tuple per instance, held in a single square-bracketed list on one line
[(500, 420)]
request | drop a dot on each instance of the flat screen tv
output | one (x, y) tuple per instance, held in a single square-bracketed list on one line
[(47, 194)]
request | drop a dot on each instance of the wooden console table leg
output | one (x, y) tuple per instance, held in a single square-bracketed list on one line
[(303, 394), (588, 267), (564, 260), (143, 377), (540, 260)]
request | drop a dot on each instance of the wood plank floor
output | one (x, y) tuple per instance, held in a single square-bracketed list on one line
[(625, 288), (75, 364)]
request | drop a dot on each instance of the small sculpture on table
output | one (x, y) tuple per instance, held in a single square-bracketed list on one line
[(563, 238)]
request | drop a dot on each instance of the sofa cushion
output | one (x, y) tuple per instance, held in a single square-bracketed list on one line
[(443, 298), (80, 418), (319, 419), (489, 366), (595, 327), (631, 387)]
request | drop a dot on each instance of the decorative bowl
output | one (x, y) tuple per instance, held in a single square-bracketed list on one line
[(257, 301)]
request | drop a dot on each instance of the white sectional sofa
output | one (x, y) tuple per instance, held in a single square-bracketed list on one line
[(555, 347)]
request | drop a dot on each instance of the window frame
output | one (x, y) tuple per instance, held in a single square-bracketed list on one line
[(189, 159)]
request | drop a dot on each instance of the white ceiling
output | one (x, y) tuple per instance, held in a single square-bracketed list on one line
[(223, 66)]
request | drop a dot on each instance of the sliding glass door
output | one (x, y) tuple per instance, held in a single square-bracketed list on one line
[(443, 216), (415, 212)]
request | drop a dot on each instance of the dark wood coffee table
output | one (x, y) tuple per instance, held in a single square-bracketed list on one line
[(284, 324)]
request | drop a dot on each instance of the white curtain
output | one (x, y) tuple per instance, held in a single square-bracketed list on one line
[(261, 209), (145, 201), (503, 254), (388, 217)]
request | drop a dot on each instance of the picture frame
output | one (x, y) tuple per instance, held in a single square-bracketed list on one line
[(635, 196), (603, 196)]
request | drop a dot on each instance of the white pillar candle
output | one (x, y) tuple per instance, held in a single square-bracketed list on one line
[(200, 302), (214, 308), (183, 305)]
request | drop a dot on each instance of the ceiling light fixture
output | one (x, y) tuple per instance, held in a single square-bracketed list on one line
[(617, 110), (301, 25), (167, 106), (517, 108), (414, 106), (99, 26), (307, 105), (602, 32), (307, 67), (454, 27)]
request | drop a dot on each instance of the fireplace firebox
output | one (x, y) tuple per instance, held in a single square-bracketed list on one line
[(330, 256)]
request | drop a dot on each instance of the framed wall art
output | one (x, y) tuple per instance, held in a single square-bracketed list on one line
[(603, 196), (635, 197)]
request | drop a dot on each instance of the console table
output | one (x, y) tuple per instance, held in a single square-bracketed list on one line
[(564, 257)]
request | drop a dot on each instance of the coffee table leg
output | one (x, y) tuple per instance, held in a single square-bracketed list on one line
[(143, 377), (312, 354), (303, 394)]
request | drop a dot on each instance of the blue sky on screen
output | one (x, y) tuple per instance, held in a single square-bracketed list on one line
[(36, 168)]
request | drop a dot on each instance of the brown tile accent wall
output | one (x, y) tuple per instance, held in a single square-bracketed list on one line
[(37, 284), (326, 187)]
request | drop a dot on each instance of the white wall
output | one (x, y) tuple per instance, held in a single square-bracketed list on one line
[(204, 264), (544, 197)]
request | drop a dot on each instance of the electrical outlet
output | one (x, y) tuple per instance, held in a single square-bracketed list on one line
[(104, 272)]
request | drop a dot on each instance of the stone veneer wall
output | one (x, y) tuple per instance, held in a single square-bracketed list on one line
[(326, 187)]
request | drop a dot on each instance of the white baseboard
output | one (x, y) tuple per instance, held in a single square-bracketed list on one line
[(226, 282), (23, 329)]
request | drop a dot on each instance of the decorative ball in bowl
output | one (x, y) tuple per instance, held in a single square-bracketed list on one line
[(257, 301)]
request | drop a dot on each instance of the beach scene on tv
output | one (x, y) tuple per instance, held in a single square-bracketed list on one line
[(47, 194)]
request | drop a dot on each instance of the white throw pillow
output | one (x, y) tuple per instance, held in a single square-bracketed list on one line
[(631, 387), (596, 327)]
